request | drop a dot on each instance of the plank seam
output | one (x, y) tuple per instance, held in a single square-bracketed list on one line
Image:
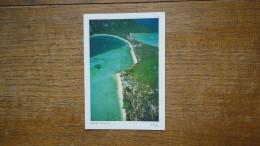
[(3, 6)]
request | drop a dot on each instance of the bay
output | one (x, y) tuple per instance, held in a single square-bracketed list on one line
[(147, 38)]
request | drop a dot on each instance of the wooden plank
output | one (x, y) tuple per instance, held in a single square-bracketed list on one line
[(212, 75), (72, 2)]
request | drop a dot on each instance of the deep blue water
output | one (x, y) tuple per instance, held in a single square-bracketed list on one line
[(101, 44), (149, 22)]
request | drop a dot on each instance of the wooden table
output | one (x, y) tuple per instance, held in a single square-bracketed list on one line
[(212, 73)]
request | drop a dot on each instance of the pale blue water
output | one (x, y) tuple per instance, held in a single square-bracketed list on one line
[(147, 38), (105, 105)]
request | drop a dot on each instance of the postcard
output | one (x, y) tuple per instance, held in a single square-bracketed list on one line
[(124, 71)]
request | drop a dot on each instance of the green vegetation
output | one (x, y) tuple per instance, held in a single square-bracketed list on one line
[(127, 89), (141, 84), (146, 71), (145, 51), (127, 104), (154, 98)]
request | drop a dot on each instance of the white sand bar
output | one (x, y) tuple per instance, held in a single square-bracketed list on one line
[(120, 95)]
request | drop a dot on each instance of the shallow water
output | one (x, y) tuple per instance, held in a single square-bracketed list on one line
[(147, 38), (105, 105)]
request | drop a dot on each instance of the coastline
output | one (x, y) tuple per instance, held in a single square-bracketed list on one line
[(131, 34), (120, 95), (132, 49), (119, 82)]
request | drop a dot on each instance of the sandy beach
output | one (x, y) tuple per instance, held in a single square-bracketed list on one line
[(120, 95), (132, 49)]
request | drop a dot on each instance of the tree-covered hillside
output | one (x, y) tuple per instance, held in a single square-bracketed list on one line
[(117, 26)]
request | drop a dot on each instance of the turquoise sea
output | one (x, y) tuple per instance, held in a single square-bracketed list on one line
[(108, 55), (147, 38)]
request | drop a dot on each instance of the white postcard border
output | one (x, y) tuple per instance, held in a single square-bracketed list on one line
[(130, 125)]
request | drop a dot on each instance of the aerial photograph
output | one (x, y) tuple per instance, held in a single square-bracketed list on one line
[(124, 69)]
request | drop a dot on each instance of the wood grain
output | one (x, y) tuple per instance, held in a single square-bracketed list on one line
[(212, 75), (73, 2)]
